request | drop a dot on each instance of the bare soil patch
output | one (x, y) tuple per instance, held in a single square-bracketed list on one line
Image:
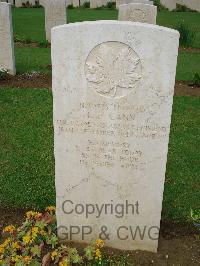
[(27, 81), (183, 88), (189, 49), (178, 243)]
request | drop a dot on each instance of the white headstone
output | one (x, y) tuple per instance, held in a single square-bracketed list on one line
[(113, 97), (138, 13), (98, 3), (95, 3), (20, 3), (123, 2), (170, 4), (69, 2), (75, 3), (7, 1), (7, 57), (55, 14), (192, 4)]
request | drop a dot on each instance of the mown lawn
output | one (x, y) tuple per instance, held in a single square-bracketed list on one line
[(28, 23), (27, 161), (30, 59)]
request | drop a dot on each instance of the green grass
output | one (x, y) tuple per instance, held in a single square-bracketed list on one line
[(182, 189), (32, 59), (28, 23), (26, 155), (188, 63), (172, 19), (27, 162)]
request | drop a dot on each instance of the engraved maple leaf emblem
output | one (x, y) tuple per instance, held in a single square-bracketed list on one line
[(112, 69)]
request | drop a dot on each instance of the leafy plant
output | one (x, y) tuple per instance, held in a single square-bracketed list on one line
[(196, 80), (111, 5), (35, 243), (37, 5), (17, 38), (70, 7), (195, 215), (26, 5), (25, 41), (3, 74), (86, 5), (182, 8), (159, 5), (187, 36), (44, 44)]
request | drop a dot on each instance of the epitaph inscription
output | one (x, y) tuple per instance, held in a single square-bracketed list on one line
[(113, 69)]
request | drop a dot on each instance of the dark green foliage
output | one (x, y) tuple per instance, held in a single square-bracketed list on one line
[(111, 5), (159, 5), (70, 7), (182, 8), (187, 36), (86, 5), (44, 44), (196, 80), (3, 74)]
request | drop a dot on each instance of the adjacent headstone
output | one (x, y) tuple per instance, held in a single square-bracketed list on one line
[(20, 3), (138, 13), (98, 3), (123, 2), (170, 4), (7, 57), (7, 1), (113, 97), (55, 14), (75, 3), (192, 4), (69, 2)]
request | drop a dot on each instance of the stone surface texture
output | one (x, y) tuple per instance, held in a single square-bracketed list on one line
[(55, 15), (7, 57), (20, 3), (98, 3), (112, 104), (138, 13), (123, 2)]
